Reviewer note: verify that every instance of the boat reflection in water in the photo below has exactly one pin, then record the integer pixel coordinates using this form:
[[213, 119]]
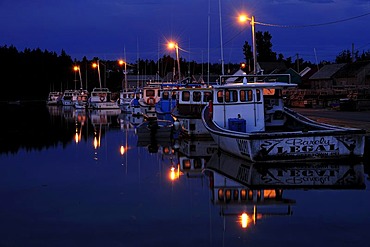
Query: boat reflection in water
[[253, 191], [155, 135], [193, 155]]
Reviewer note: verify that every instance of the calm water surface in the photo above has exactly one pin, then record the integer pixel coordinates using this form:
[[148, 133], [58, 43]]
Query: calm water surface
[[72, 178]]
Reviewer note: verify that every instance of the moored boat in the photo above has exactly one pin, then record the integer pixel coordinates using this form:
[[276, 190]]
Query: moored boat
[[101, 98], [54, 98], [69, 97], [167, 98], [148, 101], [125, 98], [249, 120], [188, 110]]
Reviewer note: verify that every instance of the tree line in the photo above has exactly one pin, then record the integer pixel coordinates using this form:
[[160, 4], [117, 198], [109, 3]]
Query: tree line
[[32, 74]]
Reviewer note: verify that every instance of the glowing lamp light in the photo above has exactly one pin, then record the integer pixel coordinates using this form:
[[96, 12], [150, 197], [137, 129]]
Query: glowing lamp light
[[94, 65], [122, 150], [75, 68], [244, 218], [174, 173], [76, 138], [96, 142], [243, 18], [171, 45], [121, 62]]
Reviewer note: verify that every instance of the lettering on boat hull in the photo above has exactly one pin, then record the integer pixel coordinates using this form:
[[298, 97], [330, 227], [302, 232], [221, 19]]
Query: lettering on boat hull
[[320, 146]]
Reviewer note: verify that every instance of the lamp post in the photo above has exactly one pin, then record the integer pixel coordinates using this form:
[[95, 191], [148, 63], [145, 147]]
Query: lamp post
[[77, 68], [242, 19], [97, 65], [172, 45], [121, 62]]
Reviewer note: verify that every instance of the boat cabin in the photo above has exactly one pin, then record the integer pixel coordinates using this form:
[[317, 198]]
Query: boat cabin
[[151, 95], [100, 95], [249, 107], [192, 100]]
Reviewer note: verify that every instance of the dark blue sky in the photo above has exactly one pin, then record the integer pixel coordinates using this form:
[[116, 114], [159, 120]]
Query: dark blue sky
[[105, 28]]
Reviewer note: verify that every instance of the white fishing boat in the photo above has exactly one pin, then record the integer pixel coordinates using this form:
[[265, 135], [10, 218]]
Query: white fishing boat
[[134, 104], [54, 98], [101, 98], [69, 97], [150, 97], [82, 99], [191, 102], [125, 98], [249, 120]]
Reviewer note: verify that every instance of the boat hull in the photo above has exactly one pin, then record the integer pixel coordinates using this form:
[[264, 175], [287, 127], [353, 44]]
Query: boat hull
[[287, 146]]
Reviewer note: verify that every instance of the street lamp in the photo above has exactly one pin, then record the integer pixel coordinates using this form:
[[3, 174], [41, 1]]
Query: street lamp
[[174, 45], [97, 65], [77, 68], [121, 62], [243, 19]]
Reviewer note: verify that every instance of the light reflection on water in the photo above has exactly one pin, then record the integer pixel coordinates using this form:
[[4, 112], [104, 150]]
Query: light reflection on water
[[76, 178]]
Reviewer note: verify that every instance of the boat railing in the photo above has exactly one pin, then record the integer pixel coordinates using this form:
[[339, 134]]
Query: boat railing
[[255, 78]]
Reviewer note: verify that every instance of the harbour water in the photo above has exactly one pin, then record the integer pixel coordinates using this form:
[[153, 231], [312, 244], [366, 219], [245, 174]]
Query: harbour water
[[77, 178]]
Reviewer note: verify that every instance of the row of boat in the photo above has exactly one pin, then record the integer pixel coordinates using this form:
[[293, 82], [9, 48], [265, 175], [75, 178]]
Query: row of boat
[[99, 98], [246, 116]]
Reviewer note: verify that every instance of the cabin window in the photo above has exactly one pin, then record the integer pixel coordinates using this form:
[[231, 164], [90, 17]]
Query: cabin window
[[258, 94], [186, 164], [165, 95], [228, 195], [150, 93], [221, 194], [197, 96], [243, 194], [231, 96], [242, 96], [250, 95], [197, 163], [185, 96], [220, 96], [235, 195], [207, 96], [246, 95], [174, 95]]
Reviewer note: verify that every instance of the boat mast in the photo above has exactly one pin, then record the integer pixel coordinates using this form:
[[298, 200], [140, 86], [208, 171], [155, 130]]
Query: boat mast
[[99, 73], [222, 50], [209, 27], [125, 72]]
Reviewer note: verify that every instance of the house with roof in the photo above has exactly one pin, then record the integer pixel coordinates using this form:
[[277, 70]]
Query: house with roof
[[353, 75], [324, 78]]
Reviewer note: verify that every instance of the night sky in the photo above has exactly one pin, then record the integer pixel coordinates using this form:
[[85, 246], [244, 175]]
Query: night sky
[[107, 28]]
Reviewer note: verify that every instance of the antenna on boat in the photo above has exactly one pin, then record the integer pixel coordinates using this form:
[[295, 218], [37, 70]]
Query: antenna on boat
[[137, 65], [209, 27], [222, 50], [124, 55]]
